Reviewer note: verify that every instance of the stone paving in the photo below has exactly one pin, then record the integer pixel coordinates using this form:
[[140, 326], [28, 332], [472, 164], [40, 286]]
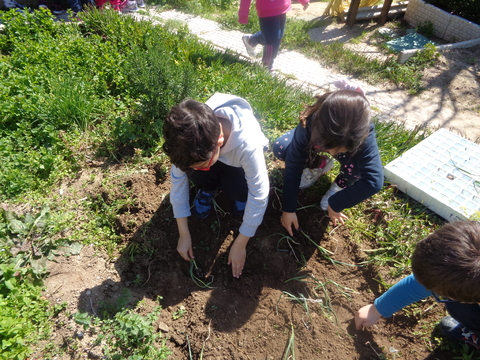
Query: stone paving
[[387, 104]]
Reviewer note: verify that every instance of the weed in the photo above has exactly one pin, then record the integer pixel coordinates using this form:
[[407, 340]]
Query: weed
[[198, 280], [426, 28], [289, 352], [180, 312]]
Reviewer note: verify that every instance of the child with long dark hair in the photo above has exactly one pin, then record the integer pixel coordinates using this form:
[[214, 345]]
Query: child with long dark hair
[[337, 126]]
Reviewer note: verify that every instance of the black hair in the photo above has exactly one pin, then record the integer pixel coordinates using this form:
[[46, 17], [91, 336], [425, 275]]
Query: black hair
[[191, 132], [340, 119], [448, 261]]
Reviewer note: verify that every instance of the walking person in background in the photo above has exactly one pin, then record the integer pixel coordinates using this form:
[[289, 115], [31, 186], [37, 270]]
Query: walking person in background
[[122, 5], [337, 126], [272, 15]]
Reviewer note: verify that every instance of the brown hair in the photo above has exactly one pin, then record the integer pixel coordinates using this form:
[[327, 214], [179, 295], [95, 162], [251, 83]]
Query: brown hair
[[448, 261], [340, 119], [191, 132]]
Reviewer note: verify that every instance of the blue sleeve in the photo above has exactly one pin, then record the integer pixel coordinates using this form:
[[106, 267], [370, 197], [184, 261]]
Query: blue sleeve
[[295, 161], [371, 176], [405, 292]]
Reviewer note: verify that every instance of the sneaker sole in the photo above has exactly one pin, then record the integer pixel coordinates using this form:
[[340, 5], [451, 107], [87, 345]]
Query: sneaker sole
[[248, 47]]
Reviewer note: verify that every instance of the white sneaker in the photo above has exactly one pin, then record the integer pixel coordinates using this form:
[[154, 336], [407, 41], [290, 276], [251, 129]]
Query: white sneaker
[[309, 176], [129, 6], [141, 3], [334, 188], [250, 48]]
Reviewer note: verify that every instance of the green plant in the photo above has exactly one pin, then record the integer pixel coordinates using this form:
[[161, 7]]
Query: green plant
[[179, 313], [197, 277], [23, 314], [426, 28], [127, 335], [289, 352]]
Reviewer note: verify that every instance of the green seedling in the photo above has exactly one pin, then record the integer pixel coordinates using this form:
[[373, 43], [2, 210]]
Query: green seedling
[[179, 313], [289, 353], [196, 275], [326, 253]]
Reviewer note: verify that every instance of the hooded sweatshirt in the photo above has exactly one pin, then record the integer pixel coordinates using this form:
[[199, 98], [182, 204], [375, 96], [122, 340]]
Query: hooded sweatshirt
[[265, 8], [244, 148]]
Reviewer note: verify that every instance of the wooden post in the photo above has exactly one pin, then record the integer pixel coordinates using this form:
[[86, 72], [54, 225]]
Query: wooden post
[[385, 9], [352, 12]]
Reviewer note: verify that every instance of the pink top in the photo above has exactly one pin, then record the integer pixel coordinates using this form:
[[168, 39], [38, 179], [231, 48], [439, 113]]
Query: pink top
[[265, 8]]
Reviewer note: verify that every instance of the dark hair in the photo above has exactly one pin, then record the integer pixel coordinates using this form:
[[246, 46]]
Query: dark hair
[[191, 132], [448, 261], [339, 119]]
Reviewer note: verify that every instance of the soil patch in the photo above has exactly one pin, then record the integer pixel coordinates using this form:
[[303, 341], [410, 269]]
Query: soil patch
[[287, 284]]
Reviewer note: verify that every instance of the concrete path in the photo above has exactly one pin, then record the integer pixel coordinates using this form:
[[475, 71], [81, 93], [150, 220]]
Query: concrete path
[[388, 104]]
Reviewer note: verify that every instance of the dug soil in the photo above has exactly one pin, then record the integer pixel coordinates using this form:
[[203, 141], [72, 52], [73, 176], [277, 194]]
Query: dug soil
[[302, 291]]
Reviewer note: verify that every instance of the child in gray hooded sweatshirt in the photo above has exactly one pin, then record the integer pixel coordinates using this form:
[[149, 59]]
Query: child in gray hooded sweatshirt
[[217, 145]]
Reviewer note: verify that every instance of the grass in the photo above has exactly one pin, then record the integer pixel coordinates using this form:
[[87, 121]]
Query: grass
[[335, 55], [72, 96]]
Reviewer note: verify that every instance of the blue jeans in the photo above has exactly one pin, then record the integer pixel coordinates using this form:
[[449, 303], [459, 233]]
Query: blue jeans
[[230, 179], [77, 5], [466, 314], [270, 35]]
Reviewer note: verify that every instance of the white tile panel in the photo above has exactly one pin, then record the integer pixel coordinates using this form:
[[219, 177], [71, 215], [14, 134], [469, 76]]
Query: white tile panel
[[443, 173]]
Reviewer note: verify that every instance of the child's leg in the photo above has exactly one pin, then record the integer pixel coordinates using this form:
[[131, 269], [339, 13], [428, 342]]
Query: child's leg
[[75, 5], [466, 314], [349, 172], [463, 326], [233, 182], [57, 7], [281, 144], [272, 29], [207, 181]]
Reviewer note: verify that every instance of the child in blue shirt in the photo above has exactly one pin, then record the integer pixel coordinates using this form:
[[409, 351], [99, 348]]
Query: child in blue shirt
[[445, 265], [338, 124]]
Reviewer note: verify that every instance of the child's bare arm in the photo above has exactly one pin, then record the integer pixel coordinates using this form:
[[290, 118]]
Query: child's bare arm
[[238, 254], [184, 246], [288, 219], [366, 316]]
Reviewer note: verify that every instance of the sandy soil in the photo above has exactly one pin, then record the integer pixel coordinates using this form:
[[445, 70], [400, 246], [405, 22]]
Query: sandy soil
[[247, 318]]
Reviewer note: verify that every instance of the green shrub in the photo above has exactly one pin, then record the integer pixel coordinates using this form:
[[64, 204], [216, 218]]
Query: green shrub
[[467, 9]]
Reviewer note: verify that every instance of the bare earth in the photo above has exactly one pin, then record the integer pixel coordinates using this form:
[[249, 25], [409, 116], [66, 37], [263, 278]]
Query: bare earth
[[247, 318], [251, 317]]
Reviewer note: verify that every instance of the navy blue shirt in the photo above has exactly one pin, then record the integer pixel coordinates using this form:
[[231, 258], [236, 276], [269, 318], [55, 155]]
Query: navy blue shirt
[[366, 160]]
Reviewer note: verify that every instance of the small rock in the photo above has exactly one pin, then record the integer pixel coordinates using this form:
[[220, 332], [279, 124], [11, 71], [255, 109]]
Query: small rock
[[163, 327], [93, 355], [114, 288], [177, 339]]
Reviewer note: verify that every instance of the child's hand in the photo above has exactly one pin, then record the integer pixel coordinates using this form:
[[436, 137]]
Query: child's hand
[[238, 254], [288, 219], [366, 316], [184, 248], [336, 216]]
